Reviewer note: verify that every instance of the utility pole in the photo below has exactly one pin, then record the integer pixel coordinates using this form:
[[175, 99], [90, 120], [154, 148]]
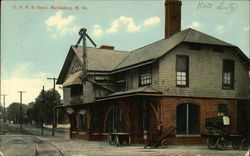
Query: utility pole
[[21, 111], [4, 111], [54, 108], [83, 35], [43, 103]]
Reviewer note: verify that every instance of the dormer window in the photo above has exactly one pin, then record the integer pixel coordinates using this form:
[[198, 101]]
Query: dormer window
[[145, 76]]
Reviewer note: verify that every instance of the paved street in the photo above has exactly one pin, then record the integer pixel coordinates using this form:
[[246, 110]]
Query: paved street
[[32, 145]]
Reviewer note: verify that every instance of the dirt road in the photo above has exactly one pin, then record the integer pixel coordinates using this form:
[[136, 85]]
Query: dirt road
[[34, 145]]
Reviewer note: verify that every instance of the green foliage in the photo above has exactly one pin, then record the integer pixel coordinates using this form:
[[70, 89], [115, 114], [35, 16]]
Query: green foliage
[[13, 113], [1, 112], [41, 110]]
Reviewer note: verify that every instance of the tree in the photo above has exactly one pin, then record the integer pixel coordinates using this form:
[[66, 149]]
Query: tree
[[13, 111], [1, 112], [42, 109]]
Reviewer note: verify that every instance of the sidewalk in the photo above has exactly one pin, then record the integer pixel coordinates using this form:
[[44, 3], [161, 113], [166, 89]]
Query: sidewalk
[[35, 130]]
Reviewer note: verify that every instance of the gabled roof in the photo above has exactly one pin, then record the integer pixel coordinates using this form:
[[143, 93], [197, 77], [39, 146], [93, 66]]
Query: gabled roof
[[101, 59], [97, 60], [116, 61], [159, 48]]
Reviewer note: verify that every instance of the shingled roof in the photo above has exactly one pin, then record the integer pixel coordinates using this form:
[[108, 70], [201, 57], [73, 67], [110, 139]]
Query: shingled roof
[[115, 61], [97, 60], [159, 48]]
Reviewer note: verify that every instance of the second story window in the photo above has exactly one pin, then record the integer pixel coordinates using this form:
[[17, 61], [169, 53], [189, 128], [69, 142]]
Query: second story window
[[120, 82], [228, 74], [145, 77], [182, 63], [76, 90]]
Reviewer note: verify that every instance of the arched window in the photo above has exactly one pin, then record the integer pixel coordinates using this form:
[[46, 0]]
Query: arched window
[[115, 120], [187, 118]]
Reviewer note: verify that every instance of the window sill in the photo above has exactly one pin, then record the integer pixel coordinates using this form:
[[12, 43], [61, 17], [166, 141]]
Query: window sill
[[188, 135], [179, 86], [228, 89], [141, 85]]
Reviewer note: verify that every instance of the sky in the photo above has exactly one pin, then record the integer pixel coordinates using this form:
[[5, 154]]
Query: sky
[[36, 35]]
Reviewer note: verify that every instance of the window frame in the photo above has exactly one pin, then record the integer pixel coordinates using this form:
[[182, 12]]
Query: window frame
[[146, 71], [121, 81], [115, 120], [187, 72], [220, 109], [83, 124], [95, 118], [187, 108], [226, 86], [76, 87]]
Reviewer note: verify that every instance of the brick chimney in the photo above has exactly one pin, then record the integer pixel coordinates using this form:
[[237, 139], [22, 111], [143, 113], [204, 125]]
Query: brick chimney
[[172, 17], [107, 47]]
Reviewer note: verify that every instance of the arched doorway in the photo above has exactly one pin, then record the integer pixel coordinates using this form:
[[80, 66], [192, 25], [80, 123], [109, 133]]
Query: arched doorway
[[187, 118], [115, 120]]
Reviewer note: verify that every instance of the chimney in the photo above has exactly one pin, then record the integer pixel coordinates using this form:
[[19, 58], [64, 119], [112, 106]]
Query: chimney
[[172, 17], [107, 47]]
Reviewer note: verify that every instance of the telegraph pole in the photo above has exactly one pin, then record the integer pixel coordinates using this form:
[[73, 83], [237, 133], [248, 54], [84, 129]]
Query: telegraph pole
[[54, 108], [4, 111], [21, 111], [43, 103]]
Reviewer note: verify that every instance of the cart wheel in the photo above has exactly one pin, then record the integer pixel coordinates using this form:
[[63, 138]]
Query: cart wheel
[[211, 143], [222, 143], [245, 143], [164, 143], [117, 143], [110, 140]]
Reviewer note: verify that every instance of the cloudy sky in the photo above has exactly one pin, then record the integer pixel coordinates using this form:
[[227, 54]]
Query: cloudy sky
[[36, 36]]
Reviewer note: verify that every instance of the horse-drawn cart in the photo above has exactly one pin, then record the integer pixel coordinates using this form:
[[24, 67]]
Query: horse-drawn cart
[[217, 131]]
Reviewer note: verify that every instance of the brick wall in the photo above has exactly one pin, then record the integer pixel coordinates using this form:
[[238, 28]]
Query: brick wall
[[208, 108], [165, 108]]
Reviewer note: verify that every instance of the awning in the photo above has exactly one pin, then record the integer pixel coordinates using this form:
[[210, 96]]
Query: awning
[[73, 79], [139, 90]]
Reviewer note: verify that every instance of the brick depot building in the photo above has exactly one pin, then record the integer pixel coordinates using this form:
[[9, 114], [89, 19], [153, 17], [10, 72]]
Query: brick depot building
[[177, 82]]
